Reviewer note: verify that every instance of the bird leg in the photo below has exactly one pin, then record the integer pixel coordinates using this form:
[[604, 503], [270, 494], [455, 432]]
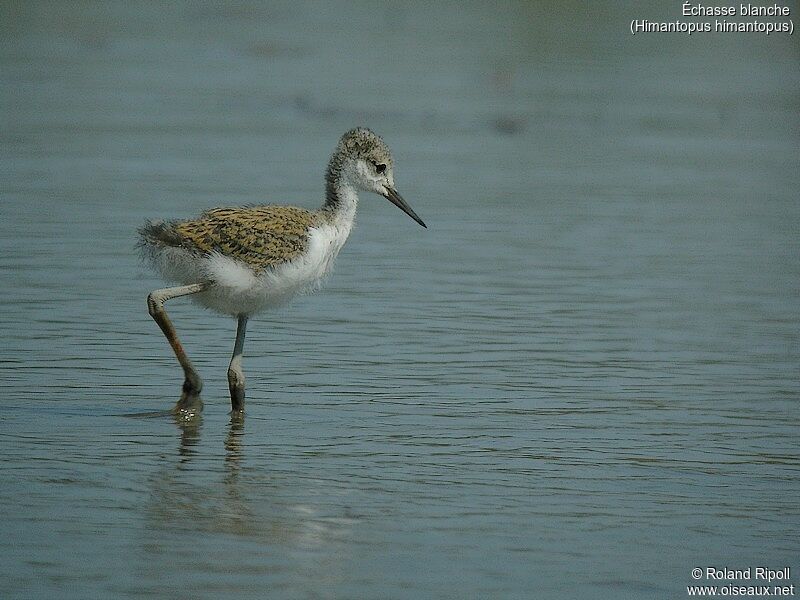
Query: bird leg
[[192, 384], [235, 373]]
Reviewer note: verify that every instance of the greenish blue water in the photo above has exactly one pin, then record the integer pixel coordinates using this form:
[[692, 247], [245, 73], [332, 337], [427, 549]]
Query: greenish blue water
[[580, 381]]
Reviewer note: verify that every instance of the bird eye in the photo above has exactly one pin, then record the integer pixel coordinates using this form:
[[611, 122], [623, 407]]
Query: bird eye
[[380, 168]]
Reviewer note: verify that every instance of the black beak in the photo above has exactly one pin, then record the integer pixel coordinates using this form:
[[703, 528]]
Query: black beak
[[396, 199]]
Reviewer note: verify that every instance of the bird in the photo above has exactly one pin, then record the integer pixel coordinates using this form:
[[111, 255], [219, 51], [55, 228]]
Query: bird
[[244, 260]]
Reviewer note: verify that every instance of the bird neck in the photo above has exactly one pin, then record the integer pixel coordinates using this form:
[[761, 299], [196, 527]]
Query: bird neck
[[341, 197]]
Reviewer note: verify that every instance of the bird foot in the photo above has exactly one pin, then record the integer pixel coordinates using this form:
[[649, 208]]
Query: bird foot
[[192, 385], [236, 386], [190, 404], [237, 400], [188, 407]]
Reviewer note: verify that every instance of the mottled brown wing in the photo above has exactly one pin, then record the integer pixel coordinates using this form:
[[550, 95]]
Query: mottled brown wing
[[261, 236]]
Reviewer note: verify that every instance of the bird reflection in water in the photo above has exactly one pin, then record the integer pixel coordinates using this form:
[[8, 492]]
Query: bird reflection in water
[[276, 509]]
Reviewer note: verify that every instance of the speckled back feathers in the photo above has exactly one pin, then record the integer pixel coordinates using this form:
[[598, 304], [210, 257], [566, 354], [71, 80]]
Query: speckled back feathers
[[259, 236]]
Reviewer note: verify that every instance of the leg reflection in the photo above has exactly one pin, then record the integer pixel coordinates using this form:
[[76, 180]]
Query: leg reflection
[[233, 442], [239, 513], [190, 435]]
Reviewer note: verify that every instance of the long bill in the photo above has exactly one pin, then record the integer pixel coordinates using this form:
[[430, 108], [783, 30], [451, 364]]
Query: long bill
[[396, 199]]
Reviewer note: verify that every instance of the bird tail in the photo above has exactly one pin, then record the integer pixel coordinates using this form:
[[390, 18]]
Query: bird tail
[[155, 236], [159, 234]]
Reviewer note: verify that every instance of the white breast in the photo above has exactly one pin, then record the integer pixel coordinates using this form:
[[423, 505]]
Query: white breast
[[324, 244]]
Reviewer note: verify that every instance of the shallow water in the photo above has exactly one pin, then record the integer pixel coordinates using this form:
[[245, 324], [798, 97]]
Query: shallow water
[[580, 381]]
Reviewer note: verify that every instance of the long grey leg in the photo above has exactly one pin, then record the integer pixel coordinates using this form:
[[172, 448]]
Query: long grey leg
[[155, 305], [235, 373]]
